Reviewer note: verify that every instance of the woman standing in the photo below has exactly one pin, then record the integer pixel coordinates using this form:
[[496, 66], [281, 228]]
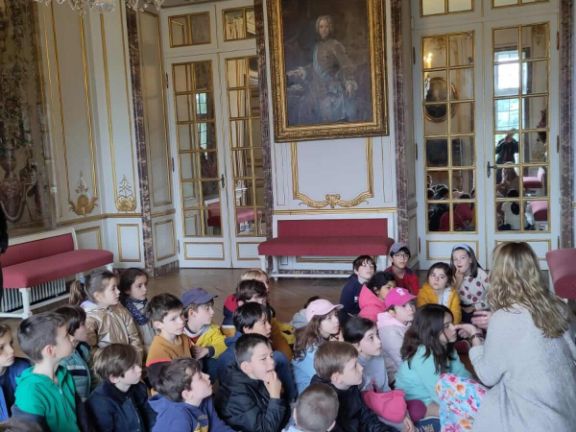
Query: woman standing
[[529, 356]]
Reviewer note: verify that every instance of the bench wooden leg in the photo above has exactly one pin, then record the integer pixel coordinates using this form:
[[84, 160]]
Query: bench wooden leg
[[25, 292]]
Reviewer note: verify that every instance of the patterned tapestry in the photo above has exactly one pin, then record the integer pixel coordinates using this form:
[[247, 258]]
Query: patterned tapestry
[[24, 195]]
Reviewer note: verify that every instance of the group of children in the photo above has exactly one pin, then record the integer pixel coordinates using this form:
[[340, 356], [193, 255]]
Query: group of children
[[383, 360]]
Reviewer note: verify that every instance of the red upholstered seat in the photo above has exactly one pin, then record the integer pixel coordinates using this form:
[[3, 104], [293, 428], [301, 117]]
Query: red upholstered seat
[[561, 263], [41, 270], [329, 237], [540, 210], [33, 250], [327, 246]]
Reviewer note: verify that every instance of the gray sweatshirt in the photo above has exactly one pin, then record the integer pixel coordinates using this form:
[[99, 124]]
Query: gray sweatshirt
[[532, 378]]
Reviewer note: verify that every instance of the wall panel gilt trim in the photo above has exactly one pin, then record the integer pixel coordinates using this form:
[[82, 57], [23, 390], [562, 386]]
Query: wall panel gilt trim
[[128, 236], [334, 199], [165, 239]]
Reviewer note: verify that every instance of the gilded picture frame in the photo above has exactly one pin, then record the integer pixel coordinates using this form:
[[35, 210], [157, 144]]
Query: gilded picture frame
[[327, 61]]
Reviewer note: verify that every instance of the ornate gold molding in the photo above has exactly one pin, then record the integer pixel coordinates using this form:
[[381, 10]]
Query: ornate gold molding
[[84, 205], [125, 198], [333, 200]]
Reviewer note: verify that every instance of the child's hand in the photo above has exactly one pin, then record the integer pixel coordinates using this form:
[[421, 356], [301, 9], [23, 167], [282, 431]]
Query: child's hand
[[481, 319], [199, 352], [273, 385], [408, 425], [466, 330]]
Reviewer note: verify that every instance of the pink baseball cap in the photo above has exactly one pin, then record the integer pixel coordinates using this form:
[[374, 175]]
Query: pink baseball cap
[[320, 307], [398, 297]]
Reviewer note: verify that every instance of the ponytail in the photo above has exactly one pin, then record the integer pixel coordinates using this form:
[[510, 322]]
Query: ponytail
[[77, 293], [93, 283]]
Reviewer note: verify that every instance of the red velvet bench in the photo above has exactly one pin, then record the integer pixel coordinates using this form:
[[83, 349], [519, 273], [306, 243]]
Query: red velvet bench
[[562, 266], [34, 261], [326, 238]]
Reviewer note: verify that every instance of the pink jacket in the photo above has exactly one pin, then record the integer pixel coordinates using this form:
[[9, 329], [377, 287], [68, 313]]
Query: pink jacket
[[370, 304]]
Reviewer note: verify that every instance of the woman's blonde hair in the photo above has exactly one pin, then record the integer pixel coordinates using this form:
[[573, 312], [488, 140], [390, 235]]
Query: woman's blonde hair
[[255, 274], [515, 279]]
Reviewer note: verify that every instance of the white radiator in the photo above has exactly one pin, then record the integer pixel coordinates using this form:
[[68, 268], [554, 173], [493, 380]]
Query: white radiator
[[12, 299]]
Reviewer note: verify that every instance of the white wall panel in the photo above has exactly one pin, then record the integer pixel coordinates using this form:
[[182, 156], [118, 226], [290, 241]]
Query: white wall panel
[[164, 240]]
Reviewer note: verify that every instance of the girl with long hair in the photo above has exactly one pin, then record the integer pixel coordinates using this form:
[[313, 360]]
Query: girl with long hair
[[529, 357], [107, 321], [427, 352], [133, 288], [470, 281], [439, 289], [323, 325]]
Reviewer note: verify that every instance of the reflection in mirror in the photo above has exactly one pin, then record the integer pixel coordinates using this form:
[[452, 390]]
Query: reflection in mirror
[[463, 217], [433, 52], [432, 7], [505, 44], [178, 26], [180, 74], [461, 49], [205, 138], [534, 112], [534, 181], [463, 184], [506, 114], [438, 185], [463, 82], [509, 181], [200, 28], [535, 147], [212, 219], [436, 152], [462, 118], [245, 220], [463, 151], [535, 77], [192, 225], [536, 215], [535, 41], [438, 212], [508, 217]]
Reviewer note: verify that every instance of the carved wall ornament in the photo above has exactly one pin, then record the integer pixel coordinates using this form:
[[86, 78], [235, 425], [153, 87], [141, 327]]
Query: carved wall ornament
[[84, 205], [126, 200]]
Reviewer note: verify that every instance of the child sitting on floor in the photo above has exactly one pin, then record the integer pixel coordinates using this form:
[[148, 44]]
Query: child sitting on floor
[[323, 325], [372, 295], [439, 290], [120, 402], [10, 369], [78, 362], [337, 365], [255, 318], [250, 399], [133, 288], [45, 393], [363, 269], [315, 410], [390, 405], [206, 337], [392, 326], [107, 321], [184, 399], [405, 277], [165, 314]]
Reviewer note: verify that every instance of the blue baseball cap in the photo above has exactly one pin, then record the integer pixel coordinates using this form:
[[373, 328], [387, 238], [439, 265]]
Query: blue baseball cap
[[196, 296]]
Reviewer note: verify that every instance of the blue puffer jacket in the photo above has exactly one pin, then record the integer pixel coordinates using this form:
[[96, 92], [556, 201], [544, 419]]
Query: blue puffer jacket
[[182, 417]]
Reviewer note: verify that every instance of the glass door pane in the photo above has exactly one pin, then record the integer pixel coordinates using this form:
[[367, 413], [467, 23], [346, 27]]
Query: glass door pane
[[449, 110], [521, 57], [197, 149], [245, 145]]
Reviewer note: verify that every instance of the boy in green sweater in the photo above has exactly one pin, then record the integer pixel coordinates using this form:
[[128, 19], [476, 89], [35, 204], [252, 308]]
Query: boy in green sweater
[[45, 393]]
